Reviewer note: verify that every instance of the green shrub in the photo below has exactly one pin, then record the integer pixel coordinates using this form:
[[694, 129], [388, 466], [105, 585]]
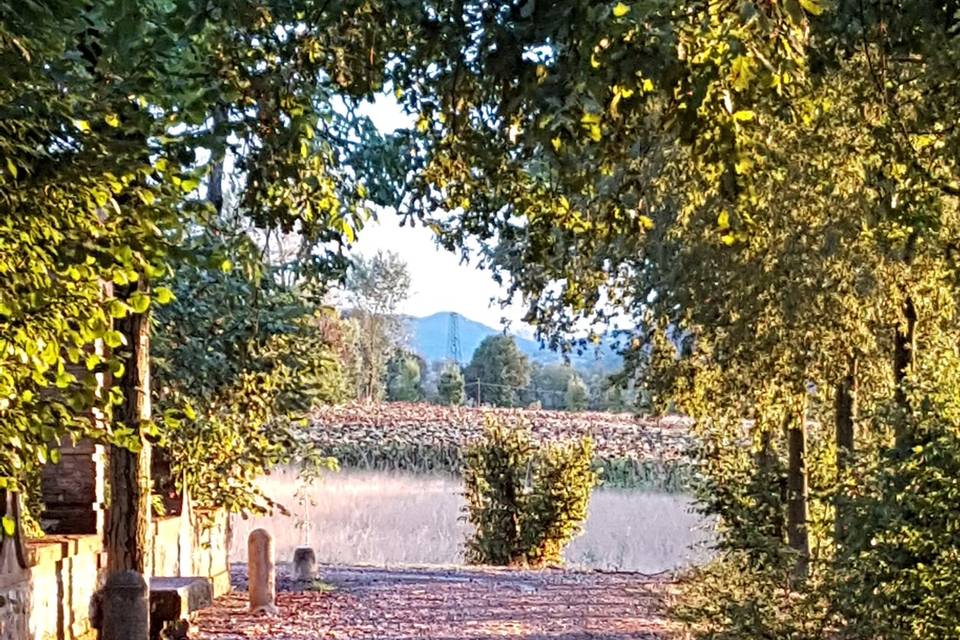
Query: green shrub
[[525, 503]]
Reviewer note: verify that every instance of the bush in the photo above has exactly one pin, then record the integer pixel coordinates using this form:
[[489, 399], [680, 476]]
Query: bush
[[526, 503]]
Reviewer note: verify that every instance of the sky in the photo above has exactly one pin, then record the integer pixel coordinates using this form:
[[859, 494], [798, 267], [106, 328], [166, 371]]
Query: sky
[[439, 282]]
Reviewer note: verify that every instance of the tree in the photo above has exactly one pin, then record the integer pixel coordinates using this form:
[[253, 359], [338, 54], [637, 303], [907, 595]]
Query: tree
[[375, 287], [108, 105], [404, 378], [577, 395], [548, 385], [450, 388], [777, 185], [498, 372], [239, 358]]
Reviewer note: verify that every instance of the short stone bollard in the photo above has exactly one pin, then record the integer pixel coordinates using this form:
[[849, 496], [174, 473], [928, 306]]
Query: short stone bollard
[[304, 564], [125, 607], [261, 572]]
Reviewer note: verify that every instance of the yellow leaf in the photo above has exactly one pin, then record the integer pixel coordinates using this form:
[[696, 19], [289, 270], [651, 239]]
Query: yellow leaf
[[112, 119], [594, 62], [647, 222], [83, 125], [556, 142], [620, 10], [743, 116], [590, 118], [422, 125], [728, 239], [812, 6], [595, 133], [723, 220], [647, 85]]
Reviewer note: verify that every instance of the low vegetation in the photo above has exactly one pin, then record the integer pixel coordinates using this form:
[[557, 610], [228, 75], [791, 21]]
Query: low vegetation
[[525, 502], [631, 452]]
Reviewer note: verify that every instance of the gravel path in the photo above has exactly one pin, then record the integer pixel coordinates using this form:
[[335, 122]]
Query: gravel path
[[447, 604]]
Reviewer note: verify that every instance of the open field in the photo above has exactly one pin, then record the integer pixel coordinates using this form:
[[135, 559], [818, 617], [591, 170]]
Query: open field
[[634, 452], [400, 518]]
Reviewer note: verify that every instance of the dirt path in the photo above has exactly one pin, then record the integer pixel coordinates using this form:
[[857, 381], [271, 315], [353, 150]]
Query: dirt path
[[449, 604]]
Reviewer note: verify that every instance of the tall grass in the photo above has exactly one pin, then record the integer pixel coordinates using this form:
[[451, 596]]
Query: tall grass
[[400, 518]]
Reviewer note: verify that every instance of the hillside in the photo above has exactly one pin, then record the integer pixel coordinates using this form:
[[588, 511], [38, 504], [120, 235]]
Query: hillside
[[429, 338]]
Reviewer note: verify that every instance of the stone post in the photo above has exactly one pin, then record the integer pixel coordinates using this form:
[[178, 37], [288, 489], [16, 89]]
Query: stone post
[[261, 572], [304, 564], [126, 607]]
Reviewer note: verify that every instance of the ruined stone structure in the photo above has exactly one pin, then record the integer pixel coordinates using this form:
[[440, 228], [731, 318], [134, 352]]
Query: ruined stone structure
[[48, 595]]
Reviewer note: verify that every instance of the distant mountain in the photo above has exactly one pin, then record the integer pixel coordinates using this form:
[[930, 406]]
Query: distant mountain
[[429, 338]]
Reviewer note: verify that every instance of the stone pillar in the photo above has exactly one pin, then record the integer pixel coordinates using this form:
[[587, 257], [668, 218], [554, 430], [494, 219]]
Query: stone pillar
[[73, 490], [126, 607], [261, 572], [304, 564]]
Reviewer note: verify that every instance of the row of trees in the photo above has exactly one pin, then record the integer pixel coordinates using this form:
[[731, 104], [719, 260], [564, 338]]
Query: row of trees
[[768, 192]]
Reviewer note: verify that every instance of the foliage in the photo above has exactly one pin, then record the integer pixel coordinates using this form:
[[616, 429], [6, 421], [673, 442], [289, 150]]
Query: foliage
[[375, 287], [734, 599], [900, 579], [239, 358], [767, 193], [450, 388], [576, 395], [497, 373], [525, 503], [109, 108], [404, 377]]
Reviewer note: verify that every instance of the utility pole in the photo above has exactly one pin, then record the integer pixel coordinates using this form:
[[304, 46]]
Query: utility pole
[[478, 392]]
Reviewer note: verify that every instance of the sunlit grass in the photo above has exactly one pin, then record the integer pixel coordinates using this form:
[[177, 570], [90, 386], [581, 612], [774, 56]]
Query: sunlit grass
[[392, 518]]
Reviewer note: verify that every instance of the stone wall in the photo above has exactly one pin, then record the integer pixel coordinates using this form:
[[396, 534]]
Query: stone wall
[[50, 599]]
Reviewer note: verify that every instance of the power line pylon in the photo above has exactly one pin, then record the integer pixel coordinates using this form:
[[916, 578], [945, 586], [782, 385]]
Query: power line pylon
[[454, 353]]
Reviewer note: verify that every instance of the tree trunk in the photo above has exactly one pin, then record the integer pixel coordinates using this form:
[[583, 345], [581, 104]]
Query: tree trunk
[[904, 349], [128, 541], [767, 463], [845, 417], [798, 537]]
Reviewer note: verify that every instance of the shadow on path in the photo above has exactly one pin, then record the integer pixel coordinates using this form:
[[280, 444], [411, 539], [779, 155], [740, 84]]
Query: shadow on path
[[450, 603]]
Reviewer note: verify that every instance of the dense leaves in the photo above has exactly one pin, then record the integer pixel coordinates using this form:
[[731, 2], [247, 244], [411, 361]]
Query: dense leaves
[[116, 114], [525, 503], [498, 373], [239, 359]]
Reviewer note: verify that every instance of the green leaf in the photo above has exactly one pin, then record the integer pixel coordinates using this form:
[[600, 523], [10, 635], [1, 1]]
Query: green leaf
[[9, 526], [815, 7], [163, 295], [117, 309], [113, 339], [140, 302]]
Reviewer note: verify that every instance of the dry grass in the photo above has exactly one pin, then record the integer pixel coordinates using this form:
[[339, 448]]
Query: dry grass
[[389, 518]]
